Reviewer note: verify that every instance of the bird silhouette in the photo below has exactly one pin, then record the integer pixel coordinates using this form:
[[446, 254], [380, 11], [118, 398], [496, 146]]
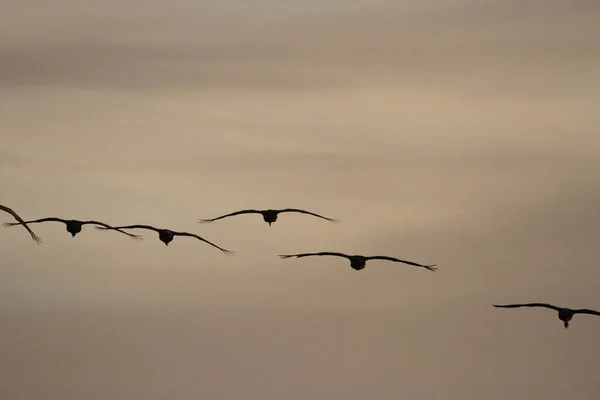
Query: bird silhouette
[[269, 216], [564, 314], [359, 262], [167, 235], [74, 226], [21, 222]]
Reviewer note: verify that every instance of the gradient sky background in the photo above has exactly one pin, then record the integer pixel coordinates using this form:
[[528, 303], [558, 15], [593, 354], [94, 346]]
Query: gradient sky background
[[462, 133]]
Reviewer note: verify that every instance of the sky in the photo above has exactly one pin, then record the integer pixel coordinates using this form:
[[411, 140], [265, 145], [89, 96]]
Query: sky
[[460, 133]]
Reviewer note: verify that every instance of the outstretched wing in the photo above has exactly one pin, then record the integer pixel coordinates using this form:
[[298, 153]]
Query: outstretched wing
[[204, 240], [106, 227], [35, 221], [21, 222], [429, 267], [528, 305], [136, 237], [586, 311], [324, 253], [231, 215], [309, 213]]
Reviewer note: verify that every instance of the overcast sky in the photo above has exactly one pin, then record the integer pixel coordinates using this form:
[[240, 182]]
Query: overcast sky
[[457, 132]]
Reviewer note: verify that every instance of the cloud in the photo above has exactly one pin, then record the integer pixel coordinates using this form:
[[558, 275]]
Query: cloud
[[462, 133], [488, 49]]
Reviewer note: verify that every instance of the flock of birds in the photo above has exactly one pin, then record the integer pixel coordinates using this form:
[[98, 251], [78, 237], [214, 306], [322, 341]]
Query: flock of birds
[[357, 262]]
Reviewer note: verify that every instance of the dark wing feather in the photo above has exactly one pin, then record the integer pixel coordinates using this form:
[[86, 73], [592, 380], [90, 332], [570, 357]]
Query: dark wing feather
[[204, 240], [429, 267], [586, 311], [104, 227], [136, 237], [231, 215], [49, 219], [21, 222], [324, 253], [528, 305], [309, 213]]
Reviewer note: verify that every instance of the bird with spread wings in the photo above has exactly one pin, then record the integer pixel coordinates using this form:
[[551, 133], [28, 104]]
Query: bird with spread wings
[[359, 262], [269, 216], [74, 226], [167, 235], [564, 314]]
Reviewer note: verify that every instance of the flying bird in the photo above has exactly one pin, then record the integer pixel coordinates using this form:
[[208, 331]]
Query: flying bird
[[74, 226], [166, 235], [564, 314], [21, 222], [269, 216], [358, 262]]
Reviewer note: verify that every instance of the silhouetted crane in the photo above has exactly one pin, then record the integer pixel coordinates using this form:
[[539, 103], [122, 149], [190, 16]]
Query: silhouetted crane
[[269, 216], [166, 235], [358, 262], [564, 314], [74, 226]]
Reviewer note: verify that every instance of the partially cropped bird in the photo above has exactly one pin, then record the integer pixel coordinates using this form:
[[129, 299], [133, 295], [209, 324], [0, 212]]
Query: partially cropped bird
[[564, 314], [21, 222], [166, 235], [358, 262], [269, 216], [74, 226]]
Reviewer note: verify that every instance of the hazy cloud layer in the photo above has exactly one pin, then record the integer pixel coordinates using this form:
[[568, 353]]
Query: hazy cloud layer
[[470, 46], [460, 133]]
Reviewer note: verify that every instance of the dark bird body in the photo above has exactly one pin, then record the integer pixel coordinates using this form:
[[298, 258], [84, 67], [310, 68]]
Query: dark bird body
[[564, 314], [269, 216], [166, 236], [74, 226], [21, 222], [358, 262]]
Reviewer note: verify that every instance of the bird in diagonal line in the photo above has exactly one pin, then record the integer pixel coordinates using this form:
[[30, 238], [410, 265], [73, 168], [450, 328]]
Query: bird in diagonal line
[[564, 314], [269, 216], [358, 262], [74, 226], [166, 235]]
